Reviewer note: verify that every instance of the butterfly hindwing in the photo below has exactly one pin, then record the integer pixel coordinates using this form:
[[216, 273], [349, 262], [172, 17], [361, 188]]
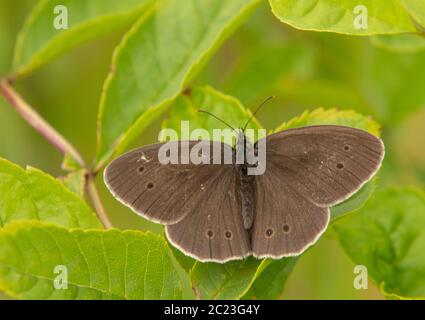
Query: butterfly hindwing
[[285, 222], [214, 230]]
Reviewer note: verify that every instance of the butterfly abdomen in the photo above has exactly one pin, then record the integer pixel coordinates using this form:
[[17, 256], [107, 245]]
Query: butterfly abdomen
[[245, 186]]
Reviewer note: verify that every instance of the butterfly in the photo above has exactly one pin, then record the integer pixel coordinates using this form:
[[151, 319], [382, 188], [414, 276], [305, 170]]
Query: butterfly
[[218, 212]]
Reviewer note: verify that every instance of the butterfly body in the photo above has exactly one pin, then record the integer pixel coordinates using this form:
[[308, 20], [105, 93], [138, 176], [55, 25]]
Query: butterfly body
[[221, 212], [245, 185]]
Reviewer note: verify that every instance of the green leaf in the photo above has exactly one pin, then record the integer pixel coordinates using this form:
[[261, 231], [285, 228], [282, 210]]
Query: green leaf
[[223, 106], [388, 237], [270, 281], [184, 261], [75, 181], [416, 9], [400, 43], [384, 17], [100, 264], [34, 195], [161, 53], [322, 116], [223, 281], [39, 41], [355, 202]]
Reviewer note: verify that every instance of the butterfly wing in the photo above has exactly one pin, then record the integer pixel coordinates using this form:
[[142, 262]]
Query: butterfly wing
[[197, 202], [308, 170], [285, 222], [326, 164], [191, 199], [163, 193], [214, 229]]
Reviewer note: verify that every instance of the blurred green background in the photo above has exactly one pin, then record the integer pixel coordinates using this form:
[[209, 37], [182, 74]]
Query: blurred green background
[[305, 70]]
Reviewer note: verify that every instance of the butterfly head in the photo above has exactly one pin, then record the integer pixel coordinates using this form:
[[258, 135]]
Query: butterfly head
[[243, 144], [240, 137]]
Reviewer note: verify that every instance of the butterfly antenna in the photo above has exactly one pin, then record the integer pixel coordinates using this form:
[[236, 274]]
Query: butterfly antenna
[[258, 109], [215, 117]]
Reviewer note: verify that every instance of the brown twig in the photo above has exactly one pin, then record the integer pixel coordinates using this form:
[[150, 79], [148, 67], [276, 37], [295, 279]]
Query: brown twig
[[97, 203], [38, 123]]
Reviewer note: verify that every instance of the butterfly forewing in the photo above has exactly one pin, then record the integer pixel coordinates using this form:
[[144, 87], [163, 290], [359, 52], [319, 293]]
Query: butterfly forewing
[[163, 193], [325, 164]]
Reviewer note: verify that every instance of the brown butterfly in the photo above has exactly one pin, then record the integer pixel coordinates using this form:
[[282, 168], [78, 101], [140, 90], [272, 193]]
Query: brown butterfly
[[217, 212]]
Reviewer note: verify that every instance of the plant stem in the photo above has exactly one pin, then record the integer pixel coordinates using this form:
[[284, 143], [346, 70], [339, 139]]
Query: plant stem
[[38, 123], [97, 203], [57, 140]]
